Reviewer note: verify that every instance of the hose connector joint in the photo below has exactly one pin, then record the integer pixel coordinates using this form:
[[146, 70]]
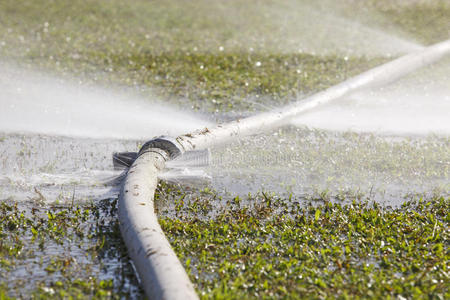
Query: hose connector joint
[[166, 143]]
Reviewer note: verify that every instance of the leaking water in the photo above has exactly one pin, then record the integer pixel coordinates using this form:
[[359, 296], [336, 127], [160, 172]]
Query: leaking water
[[36, 103], [57, 169], [418, 104]]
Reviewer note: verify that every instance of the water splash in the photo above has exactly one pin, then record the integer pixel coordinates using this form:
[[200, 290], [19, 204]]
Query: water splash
[[54, 168], [384, 112], [386, 144], [188, 168]]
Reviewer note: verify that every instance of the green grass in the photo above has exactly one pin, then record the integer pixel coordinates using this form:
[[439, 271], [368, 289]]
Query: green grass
[[265, 247], [227, 80]]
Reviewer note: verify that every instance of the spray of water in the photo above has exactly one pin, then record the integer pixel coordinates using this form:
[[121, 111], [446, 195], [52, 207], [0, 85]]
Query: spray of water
[[36, 103], [416, 105]]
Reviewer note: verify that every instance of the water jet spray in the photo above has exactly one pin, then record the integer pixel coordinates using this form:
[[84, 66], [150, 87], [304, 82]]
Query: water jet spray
[[161, 274]]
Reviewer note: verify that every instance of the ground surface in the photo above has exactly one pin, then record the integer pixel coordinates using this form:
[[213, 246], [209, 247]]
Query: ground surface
[[61, 239]]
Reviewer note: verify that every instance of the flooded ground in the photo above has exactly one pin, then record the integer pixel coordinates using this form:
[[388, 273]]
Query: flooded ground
[[310, 163], [57, 169], [59, 230], [299, 161], [57, 250]]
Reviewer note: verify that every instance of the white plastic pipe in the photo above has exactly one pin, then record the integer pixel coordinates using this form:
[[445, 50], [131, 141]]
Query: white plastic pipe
[[161, 273], [383, 74]]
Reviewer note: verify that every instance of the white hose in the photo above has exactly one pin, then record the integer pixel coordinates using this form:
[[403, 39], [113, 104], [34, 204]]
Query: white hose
[[161, 274]]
